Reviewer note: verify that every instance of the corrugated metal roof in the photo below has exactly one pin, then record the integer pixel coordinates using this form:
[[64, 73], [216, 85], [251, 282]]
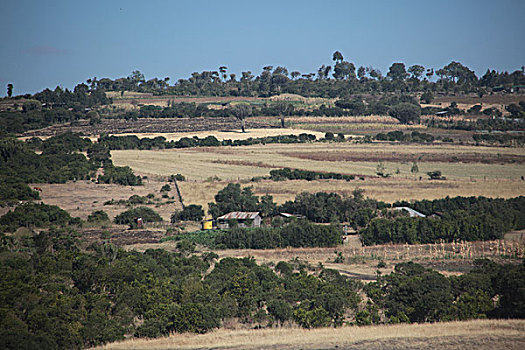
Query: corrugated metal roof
[[239, 215], [411, 212]]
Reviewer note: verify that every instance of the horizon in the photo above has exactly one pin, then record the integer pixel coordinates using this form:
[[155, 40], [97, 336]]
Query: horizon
[[64, 44]]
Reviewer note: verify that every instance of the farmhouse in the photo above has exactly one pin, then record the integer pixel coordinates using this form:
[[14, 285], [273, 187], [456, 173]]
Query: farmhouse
[[243, 219], [413, 213]]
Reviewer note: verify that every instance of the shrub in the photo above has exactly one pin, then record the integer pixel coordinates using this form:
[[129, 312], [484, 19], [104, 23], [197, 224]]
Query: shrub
[[129, 216], [406, 113], [32, 214], [190, 212], [98, 216], [165, 188]]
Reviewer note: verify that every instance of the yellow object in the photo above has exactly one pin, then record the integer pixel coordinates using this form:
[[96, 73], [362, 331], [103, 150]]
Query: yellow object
[[207, 225]]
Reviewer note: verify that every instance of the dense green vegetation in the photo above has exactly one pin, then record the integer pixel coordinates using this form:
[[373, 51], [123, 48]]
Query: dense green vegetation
[[54, 295], [190, 212], [160, 142], [460, 218], [295, 234], [130, 216], [415, 294], [297, 174], [60, 160], [325, 207], [414, 136], [34, 215], [500, 138], [318, 207]]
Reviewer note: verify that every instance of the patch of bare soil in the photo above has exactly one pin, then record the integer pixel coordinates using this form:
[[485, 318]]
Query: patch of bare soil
[[463, 157], [121, 236]]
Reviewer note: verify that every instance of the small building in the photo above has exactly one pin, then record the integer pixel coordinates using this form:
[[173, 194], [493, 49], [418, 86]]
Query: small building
[[413, 213], [243, 219], [289, 216]]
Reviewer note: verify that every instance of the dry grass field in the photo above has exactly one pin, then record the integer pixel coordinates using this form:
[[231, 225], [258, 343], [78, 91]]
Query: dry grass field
[[470, 171], [478, 334], [81, 198]]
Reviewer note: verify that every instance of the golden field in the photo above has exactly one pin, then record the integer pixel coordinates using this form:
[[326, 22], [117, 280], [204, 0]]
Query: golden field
[[478, 334], [470, 170]]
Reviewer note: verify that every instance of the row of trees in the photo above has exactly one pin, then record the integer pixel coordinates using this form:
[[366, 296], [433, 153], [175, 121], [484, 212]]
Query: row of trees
[[335, 80], [133, 142]]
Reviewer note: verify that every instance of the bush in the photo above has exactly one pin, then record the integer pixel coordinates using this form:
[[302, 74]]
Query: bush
[[130, 216], [32, 214], [297, 234], [98, 216], [406, 113], [190, 212], [119, 175], [165, 188]]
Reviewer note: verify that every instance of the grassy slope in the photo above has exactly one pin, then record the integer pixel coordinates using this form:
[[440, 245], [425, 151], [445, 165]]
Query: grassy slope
[[479, 334]]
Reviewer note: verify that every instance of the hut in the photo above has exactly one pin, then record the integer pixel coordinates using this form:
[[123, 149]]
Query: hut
[[242, 218]]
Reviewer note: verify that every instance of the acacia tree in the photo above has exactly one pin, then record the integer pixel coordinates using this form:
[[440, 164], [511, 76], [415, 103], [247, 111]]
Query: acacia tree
[[416, 70], [241, 112], [337, 57]]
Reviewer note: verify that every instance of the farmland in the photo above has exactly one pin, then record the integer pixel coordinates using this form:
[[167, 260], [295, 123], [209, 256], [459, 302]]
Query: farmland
[[470, 171], [291, 272]]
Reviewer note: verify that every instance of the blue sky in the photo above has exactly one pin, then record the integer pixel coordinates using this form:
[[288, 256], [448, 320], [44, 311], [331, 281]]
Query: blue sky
[[50, 43]]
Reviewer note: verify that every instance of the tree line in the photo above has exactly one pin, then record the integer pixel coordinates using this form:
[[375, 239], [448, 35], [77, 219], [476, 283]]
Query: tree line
[[60, 160], [114, 142], [339, 79], [413, 293]]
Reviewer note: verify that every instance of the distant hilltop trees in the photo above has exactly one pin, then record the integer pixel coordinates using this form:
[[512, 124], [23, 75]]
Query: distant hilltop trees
[[341, 79]]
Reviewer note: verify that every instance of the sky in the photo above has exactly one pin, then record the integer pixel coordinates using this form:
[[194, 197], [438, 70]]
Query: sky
[[63, 43]]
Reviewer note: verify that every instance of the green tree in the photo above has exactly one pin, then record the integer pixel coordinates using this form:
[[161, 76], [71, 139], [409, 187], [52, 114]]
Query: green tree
[[337, 57], [416, 71], [285, 109], [9, 90], [415, 168], [232, 198], [397, 72], [406, 113], [190, 212], [241, 112]]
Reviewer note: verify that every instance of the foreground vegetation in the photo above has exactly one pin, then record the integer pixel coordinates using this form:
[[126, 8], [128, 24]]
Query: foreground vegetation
[[72, 297]]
